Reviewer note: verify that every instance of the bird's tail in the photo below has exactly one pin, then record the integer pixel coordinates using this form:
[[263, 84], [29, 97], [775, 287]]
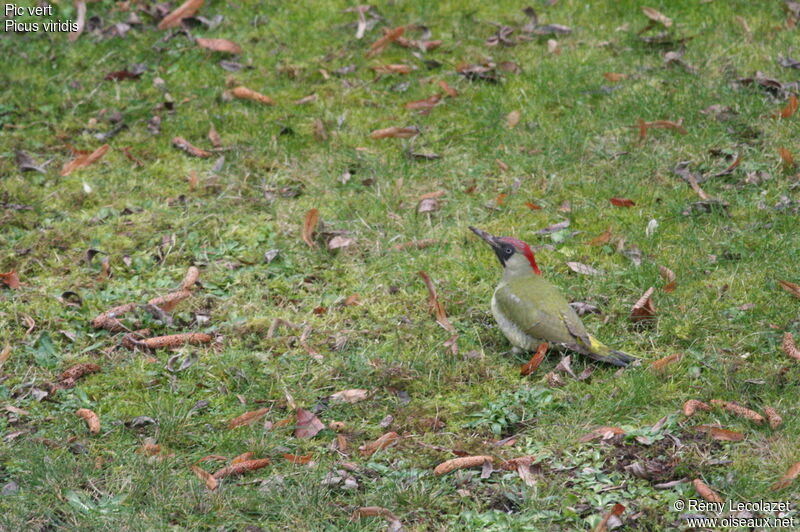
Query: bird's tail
[[601, 352]]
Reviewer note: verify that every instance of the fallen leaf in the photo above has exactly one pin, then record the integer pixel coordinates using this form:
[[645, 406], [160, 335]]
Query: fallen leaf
[[739, 410], [185, 145], [308, 425], [662, 363], [669, 276], [415, 244], [616, 511], [436, 307], [395, 132], [789, 346], [790, 108], [92, 421], [219, 45], [205, 476], [243, 93], [532, 206], [187, 9], [583, 269], [451, 92], [657, 17], [786, 157], [310, 223], [705, 492], [614, 77], [350, 396], [643, 309], [693, 405], [392, 69], [775, 420], [660, 124], [241, 468], [307, 99], [338, 242], [425, 104], [297, 459], [80, 23], [792, 288], [535, 360], [10, 279], [5, 354], [501, 165], [84, 159], [553, 47], [461, 463], [604, 433], [602, 238], [248, 418], [376, 511], [720, 434], [389, 36], [368, 449], [513, 119], [786, 480], [622, 202]]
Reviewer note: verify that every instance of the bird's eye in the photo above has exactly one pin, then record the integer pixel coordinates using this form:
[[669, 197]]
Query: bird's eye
[[509, 251]]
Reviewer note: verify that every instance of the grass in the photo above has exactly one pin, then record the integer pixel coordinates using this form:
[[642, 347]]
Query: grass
[[576, 142]]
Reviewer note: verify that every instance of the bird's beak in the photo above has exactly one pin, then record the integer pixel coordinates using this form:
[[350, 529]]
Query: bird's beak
[[489, 239]]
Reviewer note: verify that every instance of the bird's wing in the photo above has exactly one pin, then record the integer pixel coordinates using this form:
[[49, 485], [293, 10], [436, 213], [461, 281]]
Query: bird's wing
[[534, 319]]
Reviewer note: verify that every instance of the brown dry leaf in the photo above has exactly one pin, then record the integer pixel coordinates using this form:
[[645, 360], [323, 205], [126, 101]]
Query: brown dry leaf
[[368, 449], [787, 479], [532, 206], [436, 307], [425, 104], [80, 5], [415, 244], [219, 45], [643, 309], [617, 510], [792, 288], [790, 108], [242, 467], [705, 492], [10, 279], [338, 242], [660, 124], [461, 463], [188, 147], [602, 238], [310, 223], [657, 17], [5, 354], [389, 36], [376, 511], [451, 92], [789, 346], [243, 93], [775, 420], [622, 202], [748, 33], [501, 165], [84, 159], [320, 133], [307, 99], [662, 363], [298, 459], [669, 276], [244, 457], [614, 77], [187, 9], [583, 269], [214, 137], [604, 433], [205, 476], [193, 180], [553, 47], [693, 405], [739, 410], [92, 421], [395, 132], [786, 157], [512, 119], [535, 360], [248, 418], [350, 396], [168, 302], [307, 425], [392, 69], [719, 433]]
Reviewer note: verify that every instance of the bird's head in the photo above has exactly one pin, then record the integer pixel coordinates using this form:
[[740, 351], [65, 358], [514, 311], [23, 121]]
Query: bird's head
[[513, 254]]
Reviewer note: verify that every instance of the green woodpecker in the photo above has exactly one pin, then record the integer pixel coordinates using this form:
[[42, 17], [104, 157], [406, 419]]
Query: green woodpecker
[[530, 310]]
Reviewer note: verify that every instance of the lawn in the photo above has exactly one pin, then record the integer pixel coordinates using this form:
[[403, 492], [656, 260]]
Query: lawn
[[263, 170]]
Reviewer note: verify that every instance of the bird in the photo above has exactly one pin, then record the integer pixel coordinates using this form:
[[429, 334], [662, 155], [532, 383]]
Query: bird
[[530, 310]]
